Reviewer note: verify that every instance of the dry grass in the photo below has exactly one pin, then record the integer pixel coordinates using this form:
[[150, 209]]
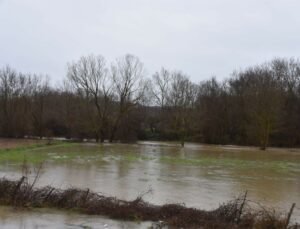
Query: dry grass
[[235, 214]]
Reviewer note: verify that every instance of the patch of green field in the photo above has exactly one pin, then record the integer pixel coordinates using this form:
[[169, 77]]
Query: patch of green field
[[233, 163], [61, 152], [31, 153], [134, 157]]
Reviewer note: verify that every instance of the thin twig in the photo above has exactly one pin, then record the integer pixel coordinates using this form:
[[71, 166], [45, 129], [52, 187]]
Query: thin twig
[[289, 215]]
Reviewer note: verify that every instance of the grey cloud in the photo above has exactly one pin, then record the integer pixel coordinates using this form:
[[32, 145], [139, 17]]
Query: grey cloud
[[202, 38]]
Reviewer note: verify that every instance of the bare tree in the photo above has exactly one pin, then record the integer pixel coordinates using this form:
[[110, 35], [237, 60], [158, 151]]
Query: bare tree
[[161, 86], [8, 78], [15, 89], [40, 91], [181, 99], [262, 98], [287, 74], [212, 112], [129, 87], [255, 106], [90, 76]]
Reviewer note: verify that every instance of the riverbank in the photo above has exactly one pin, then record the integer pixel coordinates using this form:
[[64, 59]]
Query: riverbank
[[234, 214]]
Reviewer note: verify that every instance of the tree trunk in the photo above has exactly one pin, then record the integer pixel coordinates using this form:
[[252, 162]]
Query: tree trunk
[[112, 136], [102, 136], [265, 136], [97, 137]]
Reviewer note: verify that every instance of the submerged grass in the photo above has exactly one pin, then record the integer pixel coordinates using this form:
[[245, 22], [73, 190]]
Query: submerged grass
[[133, 157], [233, 163], [60, 151], [32, 153]]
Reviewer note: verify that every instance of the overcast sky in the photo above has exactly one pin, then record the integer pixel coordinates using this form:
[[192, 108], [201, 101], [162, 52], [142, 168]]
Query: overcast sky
[[201, 38]]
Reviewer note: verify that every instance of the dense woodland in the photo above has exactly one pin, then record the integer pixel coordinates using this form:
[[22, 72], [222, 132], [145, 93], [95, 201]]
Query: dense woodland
[[259, 105]]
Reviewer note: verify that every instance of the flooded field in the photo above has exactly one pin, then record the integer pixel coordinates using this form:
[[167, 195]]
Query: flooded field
[[47, 218], [200, 176]]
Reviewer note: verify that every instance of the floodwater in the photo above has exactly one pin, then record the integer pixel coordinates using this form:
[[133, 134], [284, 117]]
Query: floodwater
[[197, 175], [48, 218]]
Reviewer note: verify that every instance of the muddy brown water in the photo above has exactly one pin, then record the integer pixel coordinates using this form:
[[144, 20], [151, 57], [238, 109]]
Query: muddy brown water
[[48, 218], [199, 176]]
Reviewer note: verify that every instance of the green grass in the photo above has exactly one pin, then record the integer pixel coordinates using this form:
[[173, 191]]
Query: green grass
[[134, 157], [81, 153], [31, 153], [233, 163]]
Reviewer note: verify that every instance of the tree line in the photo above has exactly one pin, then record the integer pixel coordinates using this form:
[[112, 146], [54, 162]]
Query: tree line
[[258, 105]]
